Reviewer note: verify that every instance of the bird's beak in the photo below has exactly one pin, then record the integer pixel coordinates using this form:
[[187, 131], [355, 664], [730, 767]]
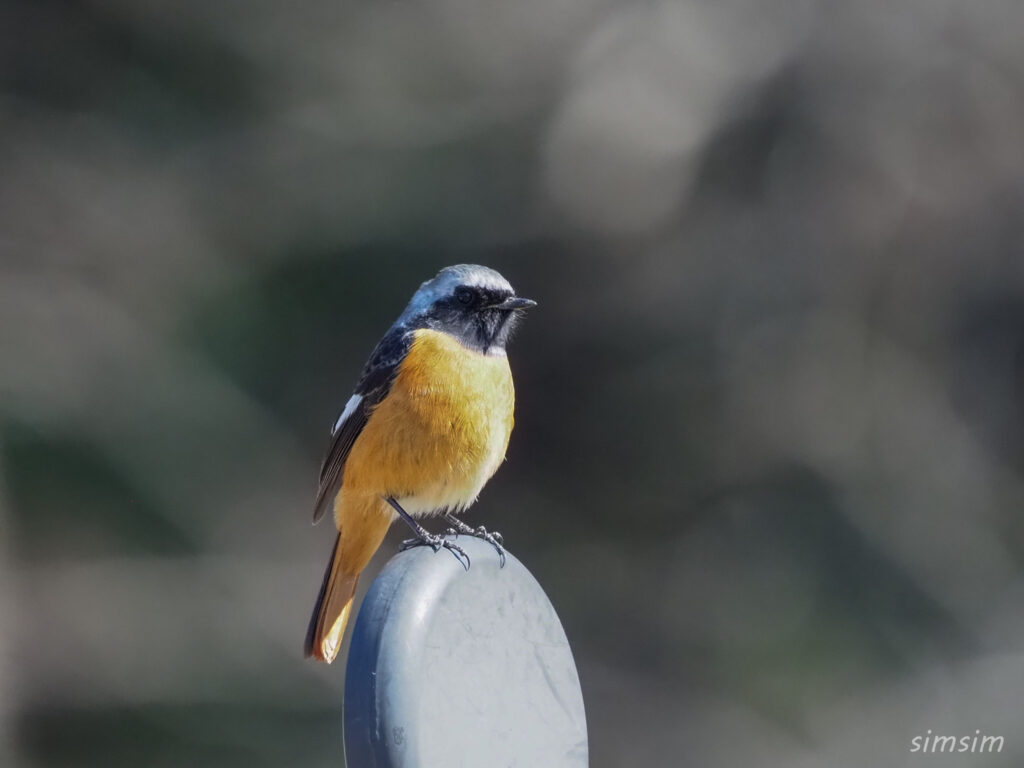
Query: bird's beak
[[514, 302]]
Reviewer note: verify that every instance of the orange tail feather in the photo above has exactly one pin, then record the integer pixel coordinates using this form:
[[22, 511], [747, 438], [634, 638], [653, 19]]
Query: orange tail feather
[[363, 524], [330, 614]]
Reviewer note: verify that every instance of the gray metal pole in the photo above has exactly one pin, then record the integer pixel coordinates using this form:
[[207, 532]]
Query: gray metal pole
[[456, 669]]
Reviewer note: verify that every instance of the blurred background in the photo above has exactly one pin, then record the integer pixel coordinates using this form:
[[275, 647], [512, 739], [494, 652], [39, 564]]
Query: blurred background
[[769, 456]]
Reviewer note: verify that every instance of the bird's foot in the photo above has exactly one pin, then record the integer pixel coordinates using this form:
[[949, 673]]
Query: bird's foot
[[437, 543], [493, 538]]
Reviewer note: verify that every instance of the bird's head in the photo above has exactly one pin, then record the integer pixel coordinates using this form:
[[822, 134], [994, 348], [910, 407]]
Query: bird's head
[[474, 304]]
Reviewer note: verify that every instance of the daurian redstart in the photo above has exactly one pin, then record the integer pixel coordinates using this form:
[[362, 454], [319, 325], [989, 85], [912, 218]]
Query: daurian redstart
[[427, 427]]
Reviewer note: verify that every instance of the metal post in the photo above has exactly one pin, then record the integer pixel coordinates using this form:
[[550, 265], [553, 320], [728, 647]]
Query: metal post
[[461, 669]]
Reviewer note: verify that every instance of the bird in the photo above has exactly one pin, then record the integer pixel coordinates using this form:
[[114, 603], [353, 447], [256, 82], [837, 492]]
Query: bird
[[427, 426]]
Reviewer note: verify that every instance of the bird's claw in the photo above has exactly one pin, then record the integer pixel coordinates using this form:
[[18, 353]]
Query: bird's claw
[[437, 543], [495, 539]]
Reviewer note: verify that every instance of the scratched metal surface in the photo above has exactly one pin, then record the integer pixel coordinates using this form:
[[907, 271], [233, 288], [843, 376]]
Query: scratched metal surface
[[461, 669]]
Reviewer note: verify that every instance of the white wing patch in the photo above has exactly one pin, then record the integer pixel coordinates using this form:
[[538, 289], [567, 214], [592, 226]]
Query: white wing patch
[[350, 407]]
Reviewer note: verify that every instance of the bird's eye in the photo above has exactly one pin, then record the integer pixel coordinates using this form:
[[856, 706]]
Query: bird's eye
[[464, 295]]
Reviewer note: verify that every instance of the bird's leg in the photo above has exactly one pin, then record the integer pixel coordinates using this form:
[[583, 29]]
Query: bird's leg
[[426, 538], [493, 538]]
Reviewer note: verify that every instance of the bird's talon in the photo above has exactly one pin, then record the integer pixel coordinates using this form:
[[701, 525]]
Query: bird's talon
[[437, 543], [458, 552], [494, 539]]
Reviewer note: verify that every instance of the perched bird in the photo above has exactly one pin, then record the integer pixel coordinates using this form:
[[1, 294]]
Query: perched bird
[[427, 427]]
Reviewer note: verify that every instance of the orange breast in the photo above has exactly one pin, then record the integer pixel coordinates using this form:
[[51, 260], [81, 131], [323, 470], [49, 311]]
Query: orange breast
[[440, 433]]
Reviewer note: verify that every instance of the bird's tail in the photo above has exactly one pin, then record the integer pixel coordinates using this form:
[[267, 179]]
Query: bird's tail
[[330, 614], [353, 548]]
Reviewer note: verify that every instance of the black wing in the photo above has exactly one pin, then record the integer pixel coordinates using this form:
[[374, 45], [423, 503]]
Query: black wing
[[373, 387]]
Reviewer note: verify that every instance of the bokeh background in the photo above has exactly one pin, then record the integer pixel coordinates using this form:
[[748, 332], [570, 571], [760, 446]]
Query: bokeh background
[[769, 461]]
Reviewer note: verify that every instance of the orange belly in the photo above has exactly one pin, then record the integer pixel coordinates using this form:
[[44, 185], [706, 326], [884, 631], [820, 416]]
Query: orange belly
[[439, 435]]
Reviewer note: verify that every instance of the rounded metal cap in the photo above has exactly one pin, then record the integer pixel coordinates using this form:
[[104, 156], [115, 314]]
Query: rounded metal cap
[[461, 669]]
